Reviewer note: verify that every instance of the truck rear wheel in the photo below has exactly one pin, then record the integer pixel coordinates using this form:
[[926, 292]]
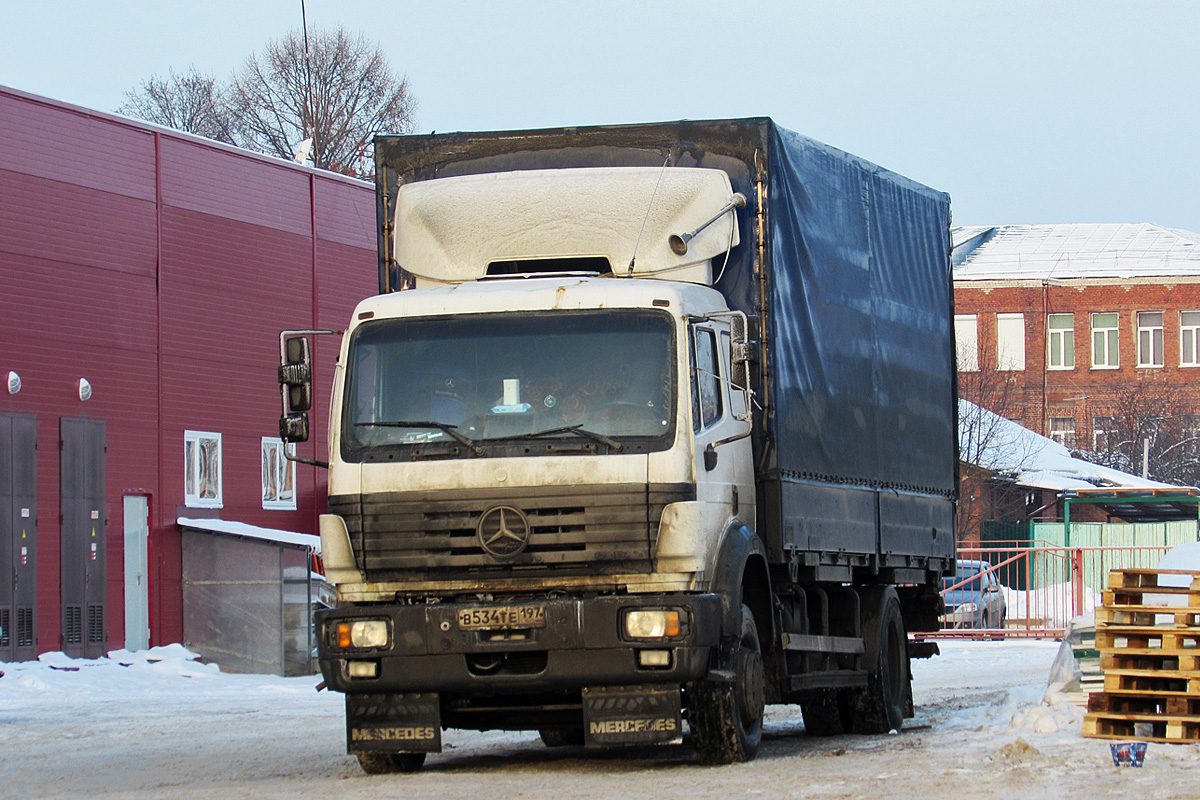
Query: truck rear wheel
[[879, 707], [726, 717], [827, 712], [384, 763]]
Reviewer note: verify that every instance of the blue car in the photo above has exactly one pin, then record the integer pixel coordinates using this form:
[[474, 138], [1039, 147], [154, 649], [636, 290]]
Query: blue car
[[973, 597]]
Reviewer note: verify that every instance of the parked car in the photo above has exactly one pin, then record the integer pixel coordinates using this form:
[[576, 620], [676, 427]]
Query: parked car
[[973, 597]]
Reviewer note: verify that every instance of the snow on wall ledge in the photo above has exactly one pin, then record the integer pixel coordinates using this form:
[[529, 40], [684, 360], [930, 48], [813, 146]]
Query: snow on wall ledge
[[313, 543], [1000, 445]]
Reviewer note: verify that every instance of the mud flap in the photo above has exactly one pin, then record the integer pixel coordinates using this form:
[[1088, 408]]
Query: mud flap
[[648, 714], [393, 723]]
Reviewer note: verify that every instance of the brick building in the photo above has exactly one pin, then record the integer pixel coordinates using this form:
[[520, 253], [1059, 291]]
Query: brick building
[[1088, 334]]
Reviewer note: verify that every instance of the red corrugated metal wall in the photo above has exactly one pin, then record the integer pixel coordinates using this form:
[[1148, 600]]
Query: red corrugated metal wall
[[161, 268]]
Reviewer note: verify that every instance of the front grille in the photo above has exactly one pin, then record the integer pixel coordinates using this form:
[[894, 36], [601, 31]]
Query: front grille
[[432, 535]]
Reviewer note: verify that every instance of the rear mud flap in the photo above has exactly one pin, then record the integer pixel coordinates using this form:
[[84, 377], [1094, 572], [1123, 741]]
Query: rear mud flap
[[393, 723], [648, 714]]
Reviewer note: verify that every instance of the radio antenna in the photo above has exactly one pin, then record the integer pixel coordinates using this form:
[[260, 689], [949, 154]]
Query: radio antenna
[[645, 219]]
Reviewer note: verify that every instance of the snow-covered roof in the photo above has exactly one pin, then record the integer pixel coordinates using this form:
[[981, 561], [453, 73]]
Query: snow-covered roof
[[308, 540], [1031, 459], [1040, 252]]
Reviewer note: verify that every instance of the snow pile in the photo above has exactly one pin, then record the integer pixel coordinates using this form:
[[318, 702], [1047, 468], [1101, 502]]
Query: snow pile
[[1055, 713], [1183, 556], [120, 672], [985, 684]]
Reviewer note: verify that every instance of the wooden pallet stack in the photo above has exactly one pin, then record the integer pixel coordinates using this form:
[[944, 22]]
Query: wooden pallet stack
[[1148, 636]]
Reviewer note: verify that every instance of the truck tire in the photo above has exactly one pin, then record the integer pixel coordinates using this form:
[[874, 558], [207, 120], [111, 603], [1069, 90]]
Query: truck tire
[[384, 763], [879, 708], [726, 716], [826, 713]]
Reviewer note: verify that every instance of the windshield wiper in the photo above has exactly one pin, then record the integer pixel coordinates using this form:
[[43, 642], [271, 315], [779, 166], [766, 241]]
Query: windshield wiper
[[449, 430], [579, 430]]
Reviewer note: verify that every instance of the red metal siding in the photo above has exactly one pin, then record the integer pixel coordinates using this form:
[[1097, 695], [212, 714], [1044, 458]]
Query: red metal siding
[[75, 146], [75, 224], [346, 215], [170, 309], [234, 186]]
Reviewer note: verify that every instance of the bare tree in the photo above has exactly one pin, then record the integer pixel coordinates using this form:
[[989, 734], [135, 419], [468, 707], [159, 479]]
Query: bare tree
[[190, 102], [992, 451], [338, 91], [1148, 426]]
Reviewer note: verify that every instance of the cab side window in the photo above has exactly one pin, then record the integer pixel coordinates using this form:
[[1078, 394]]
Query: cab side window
[[706, 384]]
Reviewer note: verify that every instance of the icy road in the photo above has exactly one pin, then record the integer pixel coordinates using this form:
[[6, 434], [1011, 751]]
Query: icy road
[[177, 729]]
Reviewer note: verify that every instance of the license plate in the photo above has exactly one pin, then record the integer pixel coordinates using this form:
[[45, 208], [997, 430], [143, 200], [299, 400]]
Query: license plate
[[500, 617]]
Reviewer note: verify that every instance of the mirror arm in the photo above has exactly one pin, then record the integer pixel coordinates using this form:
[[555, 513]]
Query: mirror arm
[[285, 335], [310, 461]]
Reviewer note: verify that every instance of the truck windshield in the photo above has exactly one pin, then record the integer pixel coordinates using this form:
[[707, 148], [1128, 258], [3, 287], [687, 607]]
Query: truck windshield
[[511, 385]]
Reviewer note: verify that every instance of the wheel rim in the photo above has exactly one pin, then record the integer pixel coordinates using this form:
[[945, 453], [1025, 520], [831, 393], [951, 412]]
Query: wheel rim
[[751, 699], [750, 677]]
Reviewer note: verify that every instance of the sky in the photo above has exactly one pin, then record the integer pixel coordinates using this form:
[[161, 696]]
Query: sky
[[1054, 111]]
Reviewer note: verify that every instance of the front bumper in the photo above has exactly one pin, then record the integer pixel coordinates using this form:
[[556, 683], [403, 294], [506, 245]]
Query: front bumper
[[581, 645]]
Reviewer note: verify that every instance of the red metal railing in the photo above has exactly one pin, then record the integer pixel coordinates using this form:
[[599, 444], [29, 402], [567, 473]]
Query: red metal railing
[[1046, 586]]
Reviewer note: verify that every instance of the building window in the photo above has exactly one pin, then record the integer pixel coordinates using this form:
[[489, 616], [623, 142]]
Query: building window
[[1189, 338], [278, 475], [1150, 338], [1010, 342], [202, 469], [1062, 430], [1061, 330], [1105, 337], [966, 342], [1102, 433]]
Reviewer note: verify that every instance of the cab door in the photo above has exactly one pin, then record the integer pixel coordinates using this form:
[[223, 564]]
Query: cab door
[[722, 461]]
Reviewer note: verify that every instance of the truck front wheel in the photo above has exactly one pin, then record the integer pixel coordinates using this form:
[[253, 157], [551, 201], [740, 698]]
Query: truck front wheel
[[383, 763], [726, 716]]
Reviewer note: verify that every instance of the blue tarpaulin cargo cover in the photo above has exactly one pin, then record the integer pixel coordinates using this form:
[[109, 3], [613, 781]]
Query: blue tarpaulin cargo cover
[[847, 268]]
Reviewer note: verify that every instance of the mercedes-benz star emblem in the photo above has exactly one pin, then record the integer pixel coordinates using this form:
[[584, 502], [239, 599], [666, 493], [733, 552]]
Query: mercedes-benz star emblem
[[503, 532]]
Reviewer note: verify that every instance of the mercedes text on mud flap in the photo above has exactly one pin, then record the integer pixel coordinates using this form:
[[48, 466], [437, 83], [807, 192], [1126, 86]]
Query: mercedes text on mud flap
[[649, 427]]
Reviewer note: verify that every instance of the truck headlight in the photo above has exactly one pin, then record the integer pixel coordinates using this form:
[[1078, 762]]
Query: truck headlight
[[363, 633], [653, 623]]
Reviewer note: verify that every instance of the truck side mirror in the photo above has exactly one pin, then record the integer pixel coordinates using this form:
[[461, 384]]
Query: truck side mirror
[[293, 427], [743, 352], [295, 380], [295, 374]]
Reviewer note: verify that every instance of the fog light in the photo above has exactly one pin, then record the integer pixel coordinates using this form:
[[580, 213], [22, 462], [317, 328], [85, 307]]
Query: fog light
[[654, 658], [657, 623], [362, 669], [363, 633]]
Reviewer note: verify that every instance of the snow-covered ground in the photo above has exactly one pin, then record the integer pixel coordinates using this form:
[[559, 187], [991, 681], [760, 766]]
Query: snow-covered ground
[[150, 725]]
